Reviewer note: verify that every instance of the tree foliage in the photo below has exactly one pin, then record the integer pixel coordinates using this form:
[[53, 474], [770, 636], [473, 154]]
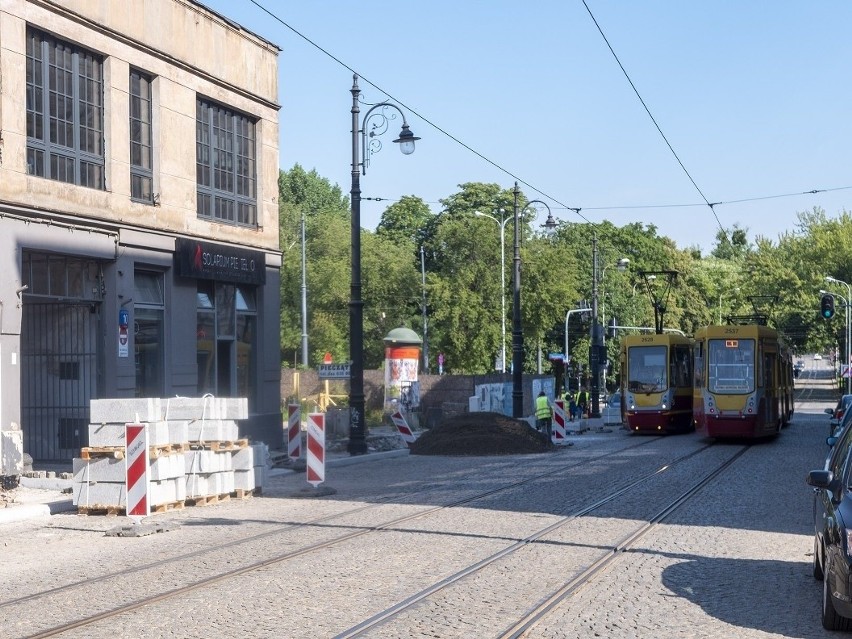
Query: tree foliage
[[468, 299]]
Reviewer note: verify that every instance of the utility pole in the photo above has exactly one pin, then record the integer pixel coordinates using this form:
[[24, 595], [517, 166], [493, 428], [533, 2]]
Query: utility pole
[[596, 348]]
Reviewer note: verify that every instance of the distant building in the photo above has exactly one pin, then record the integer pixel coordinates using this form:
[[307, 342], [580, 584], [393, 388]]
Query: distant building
[[139, 250]]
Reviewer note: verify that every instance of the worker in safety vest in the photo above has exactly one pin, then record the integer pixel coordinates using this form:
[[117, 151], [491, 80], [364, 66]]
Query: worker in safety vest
[[582, 402], [543, 414]]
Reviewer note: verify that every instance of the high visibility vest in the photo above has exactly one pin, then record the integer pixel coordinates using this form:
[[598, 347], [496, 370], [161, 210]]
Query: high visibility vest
[[582, 397], [542, 407]]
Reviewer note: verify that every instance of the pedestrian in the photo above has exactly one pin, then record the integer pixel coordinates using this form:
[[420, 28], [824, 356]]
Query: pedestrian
[[582, 401], [543, 414], [572, 407]]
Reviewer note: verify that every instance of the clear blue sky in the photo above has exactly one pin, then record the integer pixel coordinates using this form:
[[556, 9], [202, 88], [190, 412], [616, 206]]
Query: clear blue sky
[[754, 97]]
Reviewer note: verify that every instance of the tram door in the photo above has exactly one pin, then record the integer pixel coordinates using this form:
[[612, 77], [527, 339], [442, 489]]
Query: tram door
[[59, 375]]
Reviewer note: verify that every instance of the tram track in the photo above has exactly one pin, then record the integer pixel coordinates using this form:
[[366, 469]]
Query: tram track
[[138, 572], [574, 584]]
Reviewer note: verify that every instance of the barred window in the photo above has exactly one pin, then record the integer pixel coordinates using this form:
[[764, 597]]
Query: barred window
[[225, 165], [65, 111], [141, 149]]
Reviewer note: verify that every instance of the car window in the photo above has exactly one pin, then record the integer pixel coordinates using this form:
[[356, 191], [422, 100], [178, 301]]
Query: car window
[[839, 453]]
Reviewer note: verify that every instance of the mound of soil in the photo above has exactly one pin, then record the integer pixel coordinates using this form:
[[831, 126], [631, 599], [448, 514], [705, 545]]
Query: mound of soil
[[481, 434]]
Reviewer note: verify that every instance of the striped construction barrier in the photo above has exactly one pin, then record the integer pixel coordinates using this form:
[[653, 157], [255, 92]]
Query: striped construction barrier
[[316, 449], [404, 429], [136, 470], [294, 431], [559, 420]]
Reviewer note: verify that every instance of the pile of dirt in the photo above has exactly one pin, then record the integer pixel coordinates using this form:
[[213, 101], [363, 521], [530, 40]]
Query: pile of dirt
[[481, 434]]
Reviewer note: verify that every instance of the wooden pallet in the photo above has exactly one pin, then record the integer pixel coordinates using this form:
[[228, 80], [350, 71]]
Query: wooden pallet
[[98, 452], [242, 493], [168, 507], [220, 445], [207, 500], [111, 511], [118, 452]]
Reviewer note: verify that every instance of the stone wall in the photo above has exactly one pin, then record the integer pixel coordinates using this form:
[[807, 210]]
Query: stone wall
[[440, 395]]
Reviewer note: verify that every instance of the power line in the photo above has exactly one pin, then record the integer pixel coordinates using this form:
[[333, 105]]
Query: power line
[[650, 115]]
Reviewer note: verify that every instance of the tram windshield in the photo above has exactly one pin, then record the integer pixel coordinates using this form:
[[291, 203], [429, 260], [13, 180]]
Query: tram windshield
[[646, 369], [730, 366]]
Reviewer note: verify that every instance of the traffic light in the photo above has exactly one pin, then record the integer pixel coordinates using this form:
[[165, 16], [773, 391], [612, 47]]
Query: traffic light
[[827, 306]]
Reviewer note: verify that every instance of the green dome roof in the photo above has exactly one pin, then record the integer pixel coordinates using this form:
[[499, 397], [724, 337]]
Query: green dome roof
[[402, 335]]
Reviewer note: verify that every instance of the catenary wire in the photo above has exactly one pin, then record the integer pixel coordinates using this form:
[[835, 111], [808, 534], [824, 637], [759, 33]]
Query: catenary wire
[[562, 206]]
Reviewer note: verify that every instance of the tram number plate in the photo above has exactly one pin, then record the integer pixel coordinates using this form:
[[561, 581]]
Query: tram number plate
[[732, 343]]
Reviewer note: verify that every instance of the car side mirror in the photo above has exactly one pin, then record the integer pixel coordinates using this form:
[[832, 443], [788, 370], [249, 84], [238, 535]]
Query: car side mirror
[[820, 478], [831, 441], [829, 411]]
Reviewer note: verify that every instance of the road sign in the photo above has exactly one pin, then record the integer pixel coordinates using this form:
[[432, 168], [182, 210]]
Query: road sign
[[333, 371], [136, 470]]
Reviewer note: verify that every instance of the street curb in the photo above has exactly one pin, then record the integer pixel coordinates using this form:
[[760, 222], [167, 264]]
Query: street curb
[[15, 514]]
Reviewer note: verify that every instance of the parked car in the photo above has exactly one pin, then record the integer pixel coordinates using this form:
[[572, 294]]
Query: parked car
[[832, 519], [838, 412], [817, 356]]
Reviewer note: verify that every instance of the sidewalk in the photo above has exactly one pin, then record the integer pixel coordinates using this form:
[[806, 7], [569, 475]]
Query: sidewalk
[[42, 497]]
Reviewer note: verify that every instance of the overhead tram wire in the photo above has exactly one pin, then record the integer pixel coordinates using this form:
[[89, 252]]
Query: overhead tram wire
[[576, 209], [561, 205], [650, 115]]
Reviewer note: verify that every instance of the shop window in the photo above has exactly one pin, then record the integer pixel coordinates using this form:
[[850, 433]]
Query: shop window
[[149, 334], [60, 276], [226, 340]]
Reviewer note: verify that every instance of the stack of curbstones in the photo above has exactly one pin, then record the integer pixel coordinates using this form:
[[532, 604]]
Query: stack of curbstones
[[195, 454]]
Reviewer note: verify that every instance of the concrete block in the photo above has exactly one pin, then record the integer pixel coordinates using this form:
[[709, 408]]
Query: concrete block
[[166, 467], [97, 494], [166, 491], [112, 434], [205, 408], [178, 431], [244, 479], [11, 452], [197, 486], [243, 459], [125, 409], [204, 462], [100, 469], [207, 430]]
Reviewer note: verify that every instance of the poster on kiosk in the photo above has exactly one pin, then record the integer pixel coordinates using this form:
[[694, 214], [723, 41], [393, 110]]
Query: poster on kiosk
[[402, 361]]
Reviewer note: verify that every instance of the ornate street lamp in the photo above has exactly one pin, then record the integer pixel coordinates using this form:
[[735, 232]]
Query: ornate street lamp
[[517, 329], [379, 113]]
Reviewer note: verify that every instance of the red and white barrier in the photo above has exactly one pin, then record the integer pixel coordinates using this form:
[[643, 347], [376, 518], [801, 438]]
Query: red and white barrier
[[294, 431], [136, 470], [558, 421], [316, 449], [403, 428]]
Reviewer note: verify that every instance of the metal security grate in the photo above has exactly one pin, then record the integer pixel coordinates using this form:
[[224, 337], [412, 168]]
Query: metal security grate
[[59, 373]]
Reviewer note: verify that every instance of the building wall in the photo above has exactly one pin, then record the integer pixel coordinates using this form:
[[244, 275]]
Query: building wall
[[189, 51]]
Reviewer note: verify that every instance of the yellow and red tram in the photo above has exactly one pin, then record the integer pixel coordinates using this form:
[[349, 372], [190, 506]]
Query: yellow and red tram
[[743, 382], [656, 373]]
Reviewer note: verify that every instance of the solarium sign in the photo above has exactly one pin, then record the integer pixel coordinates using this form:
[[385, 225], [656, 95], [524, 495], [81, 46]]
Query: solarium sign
[[207, 261]]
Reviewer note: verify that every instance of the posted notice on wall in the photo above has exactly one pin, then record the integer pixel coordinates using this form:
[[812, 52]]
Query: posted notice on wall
[[123, 346]]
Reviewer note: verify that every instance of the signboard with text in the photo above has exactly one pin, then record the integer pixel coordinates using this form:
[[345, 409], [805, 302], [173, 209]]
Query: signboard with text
[[333, 371], [221, 262]]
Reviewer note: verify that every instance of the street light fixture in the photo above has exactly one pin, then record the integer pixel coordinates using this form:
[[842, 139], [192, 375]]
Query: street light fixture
[[517, 330], [502, 224], [357, 417], [848, 301]]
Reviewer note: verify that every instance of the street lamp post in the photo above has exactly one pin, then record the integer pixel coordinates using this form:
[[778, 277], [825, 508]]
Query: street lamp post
[[847, 302], [304, 298], [502, 224], [357, 417], [517, 329]]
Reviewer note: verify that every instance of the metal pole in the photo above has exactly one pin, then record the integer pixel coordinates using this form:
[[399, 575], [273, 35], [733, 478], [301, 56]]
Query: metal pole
[[357, 418], [425, 326], [517, 329], [596, 348], [304, 299], [503, 292]]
